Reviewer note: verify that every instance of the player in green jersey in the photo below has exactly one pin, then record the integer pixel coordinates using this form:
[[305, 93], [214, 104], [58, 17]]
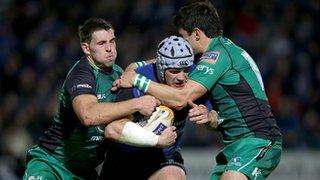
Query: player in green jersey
[[251, 137], [74, 145]]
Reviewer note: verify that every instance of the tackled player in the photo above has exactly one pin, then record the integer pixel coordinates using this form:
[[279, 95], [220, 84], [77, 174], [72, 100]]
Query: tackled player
[[173, 63]]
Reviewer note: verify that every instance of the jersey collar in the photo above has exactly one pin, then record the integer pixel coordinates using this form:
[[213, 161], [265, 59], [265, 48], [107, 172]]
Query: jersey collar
[[214, 42], [99, 69]]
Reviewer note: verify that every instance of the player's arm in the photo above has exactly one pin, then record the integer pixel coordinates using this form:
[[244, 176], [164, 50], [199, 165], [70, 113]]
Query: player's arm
[[207, 72], [172, 97], [127, 132], [92, 112], [176, 98], [81, 86]]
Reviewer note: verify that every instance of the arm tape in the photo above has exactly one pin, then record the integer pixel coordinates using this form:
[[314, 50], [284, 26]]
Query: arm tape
[[135, 135], [142, 83]]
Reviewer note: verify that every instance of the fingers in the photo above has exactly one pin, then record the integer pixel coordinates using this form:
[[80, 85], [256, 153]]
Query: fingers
[[191, 104], [114, 88], [115, 85], [131, 67], [173, 128], [170, 129], [116, 82], [199, 118], [199, 114], [196, 111], [158, 102], [203, 121]]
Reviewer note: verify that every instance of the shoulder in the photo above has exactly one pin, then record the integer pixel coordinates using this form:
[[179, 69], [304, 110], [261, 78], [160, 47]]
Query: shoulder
[[80, 79], [80, 72], [218, 53], [81, 67], [148, 71]]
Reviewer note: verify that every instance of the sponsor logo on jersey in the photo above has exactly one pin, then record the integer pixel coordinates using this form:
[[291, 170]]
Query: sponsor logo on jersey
[[80, 86], [84, 86], [235, 161], [256, 172], [96, 138], [101, 96], [205, 69], [210, 57], [35, 178]]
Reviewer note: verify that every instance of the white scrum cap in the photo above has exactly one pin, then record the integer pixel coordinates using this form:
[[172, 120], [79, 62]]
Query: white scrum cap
[[173, 53]]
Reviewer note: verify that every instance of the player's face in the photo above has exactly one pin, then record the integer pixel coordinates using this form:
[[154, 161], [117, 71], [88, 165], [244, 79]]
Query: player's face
[[192, 40], [176, 77], [102, 48]]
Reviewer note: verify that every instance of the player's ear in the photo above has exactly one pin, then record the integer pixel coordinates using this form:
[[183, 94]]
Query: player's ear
[[85, 48], [197, 33]]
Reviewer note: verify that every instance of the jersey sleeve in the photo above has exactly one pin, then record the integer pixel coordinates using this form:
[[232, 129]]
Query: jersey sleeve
[[212, 65], [80, 81]]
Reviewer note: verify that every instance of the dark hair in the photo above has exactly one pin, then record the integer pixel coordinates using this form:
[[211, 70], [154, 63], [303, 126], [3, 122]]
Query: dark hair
[[199, 14], [86, 30]]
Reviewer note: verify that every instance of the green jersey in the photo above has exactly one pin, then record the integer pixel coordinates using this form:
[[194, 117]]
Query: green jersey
[[236, 87], [79, 147]]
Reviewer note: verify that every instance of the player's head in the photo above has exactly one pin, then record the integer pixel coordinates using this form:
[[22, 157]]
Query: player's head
[[174, 60], [98, 42], [196, 19]]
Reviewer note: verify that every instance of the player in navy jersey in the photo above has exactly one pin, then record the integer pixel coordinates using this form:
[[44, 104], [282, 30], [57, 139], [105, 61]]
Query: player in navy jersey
[[173, 63]]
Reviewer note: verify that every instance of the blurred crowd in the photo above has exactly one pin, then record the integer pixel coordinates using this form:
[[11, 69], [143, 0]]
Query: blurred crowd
[[39, 43]]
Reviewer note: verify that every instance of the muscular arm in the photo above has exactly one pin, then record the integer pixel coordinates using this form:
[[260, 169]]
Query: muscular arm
[[92, 112], [169, 96], [176, 98]]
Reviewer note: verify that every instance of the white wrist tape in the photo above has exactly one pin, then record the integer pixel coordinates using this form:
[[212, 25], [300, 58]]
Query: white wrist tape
[[142, 83], [135, 135]]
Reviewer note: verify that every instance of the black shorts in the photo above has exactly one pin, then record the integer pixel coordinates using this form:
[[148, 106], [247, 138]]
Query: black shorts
[[120, 165]]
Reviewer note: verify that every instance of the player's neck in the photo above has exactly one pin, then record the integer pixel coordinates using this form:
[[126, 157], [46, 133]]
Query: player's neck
[[204, 44]]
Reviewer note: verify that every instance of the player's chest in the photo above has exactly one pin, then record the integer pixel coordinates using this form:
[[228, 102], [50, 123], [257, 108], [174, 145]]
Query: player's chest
[[103, 88]]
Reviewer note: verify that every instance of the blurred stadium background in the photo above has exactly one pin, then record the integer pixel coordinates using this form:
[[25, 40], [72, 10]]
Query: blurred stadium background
[[38, 43]]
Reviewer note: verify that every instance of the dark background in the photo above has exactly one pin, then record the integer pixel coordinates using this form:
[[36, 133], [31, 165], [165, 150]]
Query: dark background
[[39, 43]]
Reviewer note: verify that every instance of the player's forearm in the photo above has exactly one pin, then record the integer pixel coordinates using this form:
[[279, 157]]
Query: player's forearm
[[104, 113], [130, 133], [169, 96], [173, 97], [113, 130]]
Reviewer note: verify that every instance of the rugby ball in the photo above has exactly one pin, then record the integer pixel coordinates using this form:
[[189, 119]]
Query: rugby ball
[[160, 119]]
